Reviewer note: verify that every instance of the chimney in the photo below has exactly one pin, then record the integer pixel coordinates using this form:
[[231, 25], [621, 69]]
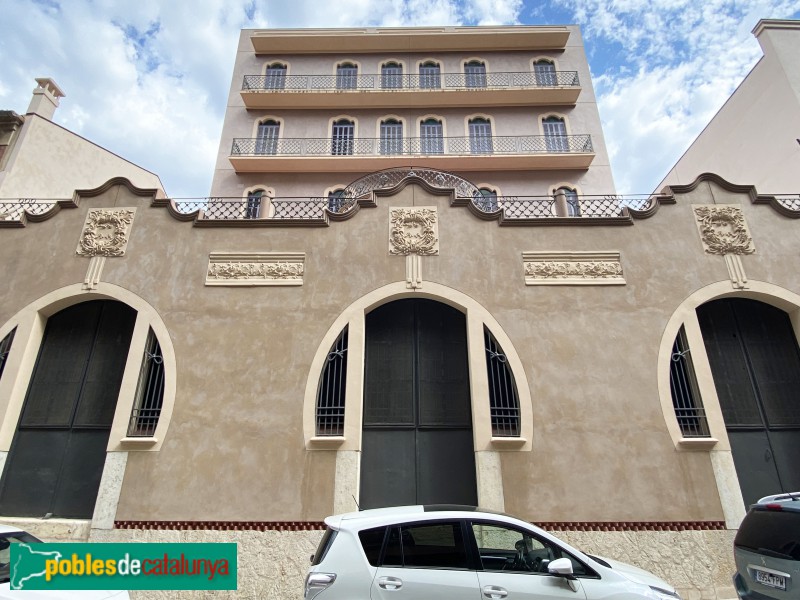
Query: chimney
[[45, 98]]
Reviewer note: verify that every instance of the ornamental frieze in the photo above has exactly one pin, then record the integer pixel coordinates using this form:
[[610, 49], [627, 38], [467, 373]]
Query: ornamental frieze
[[572, 268], [255, 269], [106, 232], [414, 231], [723, 229]]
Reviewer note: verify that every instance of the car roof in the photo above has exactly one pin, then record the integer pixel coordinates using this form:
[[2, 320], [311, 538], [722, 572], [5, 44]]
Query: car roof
[[787, 500], [375, 517], [9, 529]]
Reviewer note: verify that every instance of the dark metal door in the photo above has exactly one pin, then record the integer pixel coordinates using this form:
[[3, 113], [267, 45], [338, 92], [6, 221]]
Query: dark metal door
[[417, 445], [755, 361], [59, 449]]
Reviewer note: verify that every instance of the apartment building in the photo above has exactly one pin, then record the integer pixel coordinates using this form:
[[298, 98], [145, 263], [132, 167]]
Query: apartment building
[[412, 283]]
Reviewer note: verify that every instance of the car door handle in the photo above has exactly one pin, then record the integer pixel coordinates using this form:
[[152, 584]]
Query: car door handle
[[493, 591], [390, 583]]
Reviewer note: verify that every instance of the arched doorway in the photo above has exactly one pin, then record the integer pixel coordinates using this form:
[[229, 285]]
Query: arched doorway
[[755, 362], [57, 455], [417, 440]]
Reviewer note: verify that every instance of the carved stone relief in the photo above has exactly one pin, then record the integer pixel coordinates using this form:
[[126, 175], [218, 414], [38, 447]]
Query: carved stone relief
[[106, 232], [573, 268], [255, 269], [414, 231], [723, 229]]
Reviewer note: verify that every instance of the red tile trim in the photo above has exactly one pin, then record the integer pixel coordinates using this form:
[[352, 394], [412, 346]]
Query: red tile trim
[[319, 525]]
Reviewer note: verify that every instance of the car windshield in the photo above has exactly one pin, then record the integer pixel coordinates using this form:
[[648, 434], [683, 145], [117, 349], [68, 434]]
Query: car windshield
[[6, 540]]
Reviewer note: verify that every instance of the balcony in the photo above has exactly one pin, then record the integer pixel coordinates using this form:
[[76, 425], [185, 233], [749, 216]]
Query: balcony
[[327, 155], [387, 91]]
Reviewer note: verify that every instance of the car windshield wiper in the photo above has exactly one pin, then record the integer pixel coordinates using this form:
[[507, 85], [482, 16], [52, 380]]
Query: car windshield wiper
[[773, 553]]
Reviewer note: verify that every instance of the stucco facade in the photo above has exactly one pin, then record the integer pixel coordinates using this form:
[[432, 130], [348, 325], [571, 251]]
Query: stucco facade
[[582, 307], [753, 137]]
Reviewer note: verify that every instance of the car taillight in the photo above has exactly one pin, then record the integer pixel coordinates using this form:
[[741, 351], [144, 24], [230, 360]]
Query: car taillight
[[317, 583], [773, 506]]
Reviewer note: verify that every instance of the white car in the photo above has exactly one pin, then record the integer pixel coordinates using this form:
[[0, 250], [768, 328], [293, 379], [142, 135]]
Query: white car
[[12, 535], [457, 553]]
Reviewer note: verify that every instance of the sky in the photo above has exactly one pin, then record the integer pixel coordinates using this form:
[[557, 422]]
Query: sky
[[149, 79]]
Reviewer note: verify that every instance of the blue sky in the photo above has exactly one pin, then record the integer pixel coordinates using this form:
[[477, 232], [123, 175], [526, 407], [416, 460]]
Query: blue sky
[[149, 79]]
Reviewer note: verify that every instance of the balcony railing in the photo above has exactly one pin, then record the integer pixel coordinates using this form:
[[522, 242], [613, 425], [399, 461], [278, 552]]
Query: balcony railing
[[390, 82], [453, 146]]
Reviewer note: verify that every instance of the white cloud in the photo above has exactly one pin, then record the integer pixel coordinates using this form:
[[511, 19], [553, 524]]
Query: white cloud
[[677, 63]]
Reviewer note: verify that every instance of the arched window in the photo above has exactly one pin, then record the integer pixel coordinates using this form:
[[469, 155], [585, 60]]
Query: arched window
[[480, 136], [391, 137], [485, 199], [267, 140], [342, 137], [149, 391], [5, 348], [275, 77], [544, 72], [253, 207], [503, 396], [391, 75], [346, 76], [331, 390], [336, 200], [430, 75], [573, 202], [555, 134], [686, 398], [431, 136], [475, 74]]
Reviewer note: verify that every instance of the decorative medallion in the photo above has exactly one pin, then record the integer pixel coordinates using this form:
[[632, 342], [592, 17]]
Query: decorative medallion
[[572, 268], [106, 232], [255, 269], [723, 229], [414, 231]]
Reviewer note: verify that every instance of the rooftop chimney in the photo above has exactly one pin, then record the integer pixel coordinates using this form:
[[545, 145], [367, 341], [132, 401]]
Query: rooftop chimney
[[45, 98]]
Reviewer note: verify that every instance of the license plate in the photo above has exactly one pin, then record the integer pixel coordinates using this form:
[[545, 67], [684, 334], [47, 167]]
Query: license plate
[[771, 580]]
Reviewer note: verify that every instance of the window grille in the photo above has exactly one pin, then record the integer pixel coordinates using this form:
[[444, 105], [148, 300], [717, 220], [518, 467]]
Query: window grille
[[503, 396], [149, 391], [253, 208], [475, 74], [431, 136], [430, 76], [391, 137], [331, 390], [485, 199], [5, 348], [276, 77], [480, 136], [686, 399], [336, 200], [346, 77], [392, 75]]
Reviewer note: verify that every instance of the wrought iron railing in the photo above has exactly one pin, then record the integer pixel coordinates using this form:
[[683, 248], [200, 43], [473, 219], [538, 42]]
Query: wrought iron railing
[[389, 82], [453, 146], [12, 209], [792, 202]]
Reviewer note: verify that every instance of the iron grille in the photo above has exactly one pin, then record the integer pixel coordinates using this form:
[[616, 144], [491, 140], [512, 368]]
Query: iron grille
[[5, 348], [686, 399], [503, 396], [149, 391], [331, 391]]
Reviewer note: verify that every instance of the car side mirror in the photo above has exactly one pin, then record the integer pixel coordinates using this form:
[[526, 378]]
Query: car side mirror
[[562, 567]]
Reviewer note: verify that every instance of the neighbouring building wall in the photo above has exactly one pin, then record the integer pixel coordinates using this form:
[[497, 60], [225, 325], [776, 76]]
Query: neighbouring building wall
[[49, 161], [754, 136]]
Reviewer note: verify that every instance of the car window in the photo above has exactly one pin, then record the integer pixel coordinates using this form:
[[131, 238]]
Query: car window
[[324, 546], [431, 545], [503, 548], [771, 532], [371, 542]]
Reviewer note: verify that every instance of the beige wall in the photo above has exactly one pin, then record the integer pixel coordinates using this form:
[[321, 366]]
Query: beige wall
[[235, 450], [752, 139], [49, 161]]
